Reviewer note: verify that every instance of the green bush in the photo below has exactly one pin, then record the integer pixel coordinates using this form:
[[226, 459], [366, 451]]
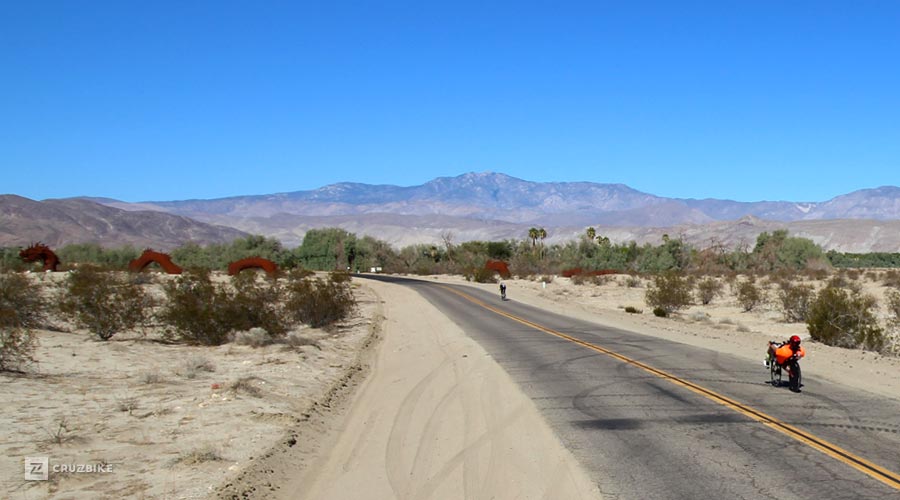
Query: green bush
[[196, 310], [708, 289], [482, 275], [660, 312], [92, 253], [749, 295], [319, 303], [669, 292], [632, 310], [255, 303], [10, 260], [102, 302], [840, 318], [795, 301]]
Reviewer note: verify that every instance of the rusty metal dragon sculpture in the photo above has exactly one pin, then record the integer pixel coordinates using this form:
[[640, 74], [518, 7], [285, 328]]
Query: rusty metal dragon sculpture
[[253, 262], [148, 257], [39, 251]]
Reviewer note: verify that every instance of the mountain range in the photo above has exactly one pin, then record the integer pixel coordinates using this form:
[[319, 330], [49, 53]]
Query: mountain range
[[59, 222], [493, 206]]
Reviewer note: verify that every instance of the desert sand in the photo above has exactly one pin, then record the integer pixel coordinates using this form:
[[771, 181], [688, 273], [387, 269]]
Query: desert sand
[[392, 404]]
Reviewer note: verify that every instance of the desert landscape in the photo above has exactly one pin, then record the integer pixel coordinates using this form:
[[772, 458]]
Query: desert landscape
[[709, 177], [242, 420]]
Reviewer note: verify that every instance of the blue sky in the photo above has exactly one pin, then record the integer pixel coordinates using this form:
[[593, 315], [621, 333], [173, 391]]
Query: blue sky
[[755, 100]]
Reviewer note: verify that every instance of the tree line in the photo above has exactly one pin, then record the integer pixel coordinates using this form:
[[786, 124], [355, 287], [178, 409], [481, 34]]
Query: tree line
[[336, 249]]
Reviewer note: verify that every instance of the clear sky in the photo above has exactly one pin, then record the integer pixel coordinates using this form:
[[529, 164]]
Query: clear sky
[[754, 100]]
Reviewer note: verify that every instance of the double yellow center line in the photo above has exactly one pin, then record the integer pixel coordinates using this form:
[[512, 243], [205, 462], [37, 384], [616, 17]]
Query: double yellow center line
[[880, 473]]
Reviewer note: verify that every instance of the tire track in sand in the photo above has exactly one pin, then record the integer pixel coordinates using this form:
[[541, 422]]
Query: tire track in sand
[[438, 418]]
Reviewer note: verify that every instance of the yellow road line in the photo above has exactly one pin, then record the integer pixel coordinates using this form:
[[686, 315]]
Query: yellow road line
[[887, 477]]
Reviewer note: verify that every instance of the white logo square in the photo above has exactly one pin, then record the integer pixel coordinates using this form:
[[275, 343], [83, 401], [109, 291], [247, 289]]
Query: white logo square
[[37, 468]]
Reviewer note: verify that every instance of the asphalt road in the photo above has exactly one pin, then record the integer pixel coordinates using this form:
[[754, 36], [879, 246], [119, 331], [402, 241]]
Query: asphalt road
[[653, 419]]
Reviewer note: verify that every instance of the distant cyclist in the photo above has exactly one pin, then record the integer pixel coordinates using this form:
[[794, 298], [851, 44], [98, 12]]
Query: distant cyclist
[[502, 290]]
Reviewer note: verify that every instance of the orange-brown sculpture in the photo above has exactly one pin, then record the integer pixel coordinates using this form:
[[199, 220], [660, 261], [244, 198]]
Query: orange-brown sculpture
[[499, 266], [253, 262], [39, 251], [148, 257]]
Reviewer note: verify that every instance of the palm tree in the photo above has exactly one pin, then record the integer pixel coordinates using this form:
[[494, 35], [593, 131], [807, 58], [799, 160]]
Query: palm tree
[[533, 233], [591, 233], [542, 233]]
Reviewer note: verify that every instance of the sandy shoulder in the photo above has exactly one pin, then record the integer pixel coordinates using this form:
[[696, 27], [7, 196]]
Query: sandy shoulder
[[438, 418]]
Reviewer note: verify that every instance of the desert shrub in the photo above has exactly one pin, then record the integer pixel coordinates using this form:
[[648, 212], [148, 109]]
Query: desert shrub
[[254, 337], [795, 301], [840, 280], [294, 339], [340, 276], [10, 260], [17, 347], [633, 282], [590, 279], [318, 303], [891, 278], [299, 273], [255, 303], [660, 312], [708, 289], [841, 318], [104, 303], [632, 310], [670, 292], [246, 385], [699, 316], [21, 302], [749, 295], [481, 275], [817, 274], [193, 366], [60, 431], [92, 253], [152, 377], [196, 310], [892, 341], [893, 306], [208, 453]]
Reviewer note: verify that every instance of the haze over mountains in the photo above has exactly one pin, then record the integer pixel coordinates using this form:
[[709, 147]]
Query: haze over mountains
[[494, 206]]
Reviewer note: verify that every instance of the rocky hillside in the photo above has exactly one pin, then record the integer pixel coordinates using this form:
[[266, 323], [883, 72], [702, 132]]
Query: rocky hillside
[[59, 222]]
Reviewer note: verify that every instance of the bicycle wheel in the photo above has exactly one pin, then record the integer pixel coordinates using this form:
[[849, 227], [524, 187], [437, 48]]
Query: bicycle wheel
[[795, 377], [775, 373]]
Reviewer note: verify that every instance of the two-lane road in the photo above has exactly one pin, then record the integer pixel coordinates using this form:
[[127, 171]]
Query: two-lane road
[[653, 419]]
